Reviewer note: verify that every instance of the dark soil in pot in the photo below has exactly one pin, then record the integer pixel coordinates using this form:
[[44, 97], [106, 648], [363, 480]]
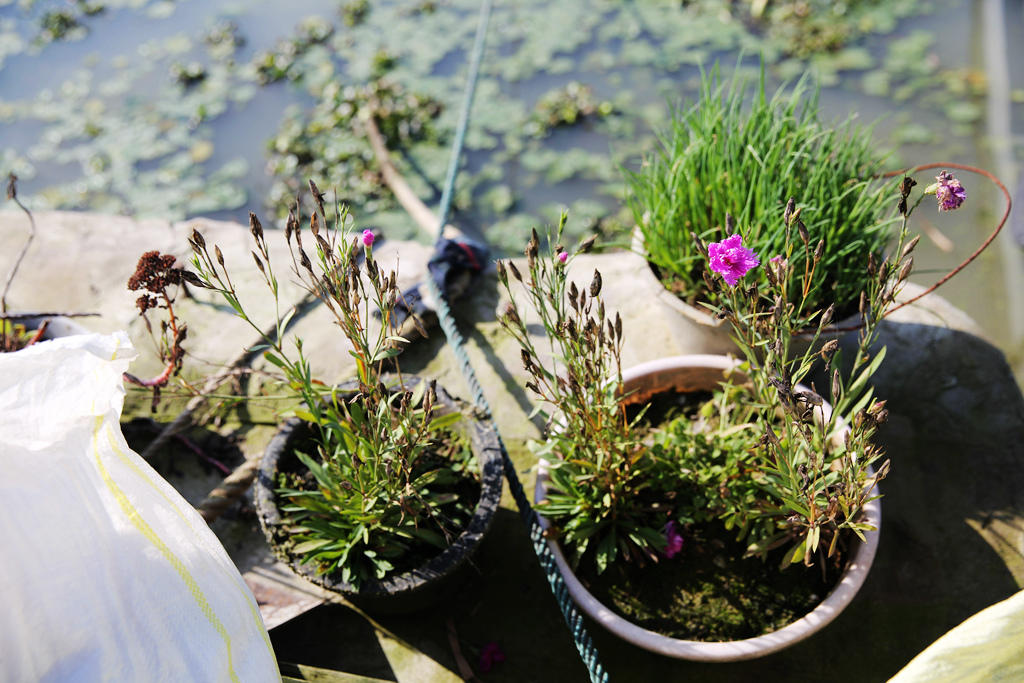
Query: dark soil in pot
[[708, 591]]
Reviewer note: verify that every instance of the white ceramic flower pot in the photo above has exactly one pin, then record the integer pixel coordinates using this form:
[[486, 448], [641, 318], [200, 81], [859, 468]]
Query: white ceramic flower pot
[[699, 331], [694, 373]]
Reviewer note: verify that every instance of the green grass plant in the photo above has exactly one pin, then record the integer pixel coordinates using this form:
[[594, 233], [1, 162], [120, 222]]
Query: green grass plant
[[738, 150]]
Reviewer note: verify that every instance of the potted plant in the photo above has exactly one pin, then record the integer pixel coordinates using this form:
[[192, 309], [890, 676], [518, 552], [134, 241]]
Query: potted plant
[[741, 151], [380, 488], [680, 489]]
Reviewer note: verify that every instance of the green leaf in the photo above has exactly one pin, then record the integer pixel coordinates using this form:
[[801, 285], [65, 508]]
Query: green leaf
[[307, 546], [273, 359]]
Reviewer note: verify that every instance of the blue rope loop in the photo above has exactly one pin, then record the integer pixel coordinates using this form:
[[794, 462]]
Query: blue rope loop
[[573, 619]]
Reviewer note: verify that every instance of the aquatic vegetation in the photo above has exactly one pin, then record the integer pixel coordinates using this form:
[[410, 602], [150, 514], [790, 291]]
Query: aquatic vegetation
[[142, 131], [566, 106], [327, 143]]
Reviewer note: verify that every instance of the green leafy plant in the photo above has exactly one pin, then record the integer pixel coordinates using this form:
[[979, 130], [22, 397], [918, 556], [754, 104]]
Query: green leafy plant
[[384, 461], [741, 151], [764, 455], [607, 489]]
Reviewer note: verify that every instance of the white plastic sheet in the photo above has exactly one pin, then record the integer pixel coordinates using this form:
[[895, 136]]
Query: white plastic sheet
[[106, 572], [987, 647]]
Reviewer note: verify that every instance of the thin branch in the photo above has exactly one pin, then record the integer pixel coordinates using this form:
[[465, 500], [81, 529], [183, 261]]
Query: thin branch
[[12, 194]]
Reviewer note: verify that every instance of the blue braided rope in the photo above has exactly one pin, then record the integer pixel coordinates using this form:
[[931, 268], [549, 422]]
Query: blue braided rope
[[573, 619]]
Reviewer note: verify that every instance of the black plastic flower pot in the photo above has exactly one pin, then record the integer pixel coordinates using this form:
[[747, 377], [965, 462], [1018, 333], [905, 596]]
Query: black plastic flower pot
[[438, 578]]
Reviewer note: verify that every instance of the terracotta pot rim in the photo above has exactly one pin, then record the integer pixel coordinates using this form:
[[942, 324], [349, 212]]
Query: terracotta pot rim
[[850, 582], [486, 448]]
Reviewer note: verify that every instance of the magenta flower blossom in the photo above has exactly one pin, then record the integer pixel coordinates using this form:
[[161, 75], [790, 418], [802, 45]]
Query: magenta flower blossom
[[673, 540], [730, 259], [490, 655], [368, 238], [949, 192], [563, 256]]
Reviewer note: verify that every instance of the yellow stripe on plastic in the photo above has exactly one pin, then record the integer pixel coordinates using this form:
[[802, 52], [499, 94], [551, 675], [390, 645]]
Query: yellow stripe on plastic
[[130, 464], [136, 519]]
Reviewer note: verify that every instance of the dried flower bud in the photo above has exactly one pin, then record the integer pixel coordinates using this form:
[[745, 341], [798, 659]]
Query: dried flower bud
[[819, 250], [618, 326], [872, 265], [259, 264], [701, 246], [802, 230], [515, 271], [314, 225], [197, 238], [12, 186], [304, 260], [220, 256], [787, 214], [502, 272], [255, 227], [826, 317], [587, 245], [906, 185], [595, 284], [531, 248], [910, 247], [830, 347], [730, 224], [193, 279], [511, 314], [574, 294], [527, 360], [908, 266], [836, 384], [290, 226], [318, 196]]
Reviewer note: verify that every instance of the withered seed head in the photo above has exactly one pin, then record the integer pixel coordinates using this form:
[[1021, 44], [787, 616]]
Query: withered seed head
[[255, 227], [595, 284]]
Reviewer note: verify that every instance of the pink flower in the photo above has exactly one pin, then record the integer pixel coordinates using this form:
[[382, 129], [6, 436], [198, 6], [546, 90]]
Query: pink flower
[[776, 259], [731, 259], [949, 192], [490, 655], [673, 540], [368, 238], [563, 256]]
